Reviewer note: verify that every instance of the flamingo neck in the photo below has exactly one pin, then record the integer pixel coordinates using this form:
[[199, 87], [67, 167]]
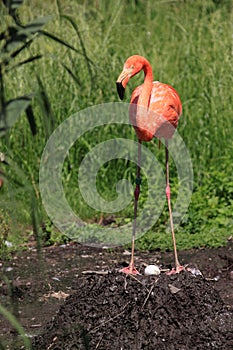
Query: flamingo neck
[[144, 129], [144, 97]]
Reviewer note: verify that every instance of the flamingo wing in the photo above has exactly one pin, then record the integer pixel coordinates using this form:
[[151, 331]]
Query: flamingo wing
[[165, 107]]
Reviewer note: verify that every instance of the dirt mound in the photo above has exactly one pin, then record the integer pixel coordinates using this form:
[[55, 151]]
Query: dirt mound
[[116, 311]]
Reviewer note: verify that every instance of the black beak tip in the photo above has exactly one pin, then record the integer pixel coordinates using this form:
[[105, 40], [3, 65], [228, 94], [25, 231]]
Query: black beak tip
[[120, 90]]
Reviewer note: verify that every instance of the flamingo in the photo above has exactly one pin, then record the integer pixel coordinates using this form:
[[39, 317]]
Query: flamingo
[[154, 111]]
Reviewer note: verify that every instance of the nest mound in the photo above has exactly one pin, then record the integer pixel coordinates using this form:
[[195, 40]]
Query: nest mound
[[123, 312]]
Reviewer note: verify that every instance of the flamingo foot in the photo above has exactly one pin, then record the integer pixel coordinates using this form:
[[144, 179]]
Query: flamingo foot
[[130, 270], [178, 269]]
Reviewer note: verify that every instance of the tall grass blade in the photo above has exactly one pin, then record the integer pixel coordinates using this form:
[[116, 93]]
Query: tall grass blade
[[26, 45], [74, 25], [60, 41], [31, 119], [59, 7], [47, 114], [28, 60], [74, 76], [2, 99], [36, 227], [15, 323], [113, 20]]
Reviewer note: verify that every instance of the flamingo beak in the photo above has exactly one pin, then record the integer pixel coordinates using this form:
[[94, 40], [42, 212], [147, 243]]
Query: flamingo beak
[[120, 89], [122, 82]]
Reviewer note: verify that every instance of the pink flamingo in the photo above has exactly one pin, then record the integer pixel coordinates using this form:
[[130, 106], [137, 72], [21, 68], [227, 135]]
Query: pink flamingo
[[154, 112]]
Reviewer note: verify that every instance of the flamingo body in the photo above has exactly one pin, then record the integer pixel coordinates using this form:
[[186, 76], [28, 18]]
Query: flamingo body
[[164, 111]]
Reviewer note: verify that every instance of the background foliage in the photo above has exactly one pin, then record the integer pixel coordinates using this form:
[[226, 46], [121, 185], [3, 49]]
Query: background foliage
[[58, 57]]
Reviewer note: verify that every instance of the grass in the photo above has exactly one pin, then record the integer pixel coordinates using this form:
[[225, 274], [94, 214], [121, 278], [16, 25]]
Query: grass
[[189, 44], [17, 326]]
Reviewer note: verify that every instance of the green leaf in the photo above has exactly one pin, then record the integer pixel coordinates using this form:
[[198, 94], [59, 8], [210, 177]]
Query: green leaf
[[35, 25], [14, 4], [12, 111], [13, 39], [18, 35]]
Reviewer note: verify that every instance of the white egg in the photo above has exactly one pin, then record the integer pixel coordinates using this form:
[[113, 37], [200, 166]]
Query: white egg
[[152, 270]]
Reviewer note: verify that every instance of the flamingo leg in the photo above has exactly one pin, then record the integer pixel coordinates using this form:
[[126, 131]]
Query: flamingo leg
[[131, 268], [178, 267]]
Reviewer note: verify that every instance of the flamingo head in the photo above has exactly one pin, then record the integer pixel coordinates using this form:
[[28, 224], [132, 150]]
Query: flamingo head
[[133, 65]]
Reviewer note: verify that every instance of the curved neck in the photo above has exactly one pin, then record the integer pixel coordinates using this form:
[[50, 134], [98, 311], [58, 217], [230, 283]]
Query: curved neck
[[144, 97]]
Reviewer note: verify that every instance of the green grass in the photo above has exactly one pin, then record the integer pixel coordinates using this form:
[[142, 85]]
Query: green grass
[[189, 44], [25, 342]]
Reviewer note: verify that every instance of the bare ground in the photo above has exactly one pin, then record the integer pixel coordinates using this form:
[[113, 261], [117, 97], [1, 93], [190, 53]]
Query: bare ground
[[73, 297]]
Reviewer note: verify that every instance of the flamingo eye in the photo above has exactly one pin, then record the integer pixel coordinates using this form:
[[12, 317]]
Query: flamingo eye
[[132, 66]]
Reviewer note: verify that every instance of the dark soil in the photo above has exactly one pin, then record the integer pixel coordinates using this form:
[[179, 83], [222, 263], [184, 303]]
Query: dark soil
[[124, 312], [72, 297]]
